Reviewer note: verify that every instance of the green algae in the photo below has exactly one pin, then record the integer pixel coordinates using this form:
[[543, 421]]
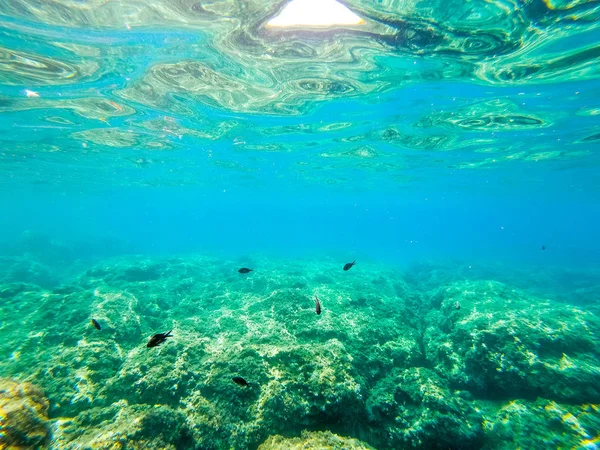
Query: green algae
[[518, 424], [501, 343], [391, 360], [414, 408]]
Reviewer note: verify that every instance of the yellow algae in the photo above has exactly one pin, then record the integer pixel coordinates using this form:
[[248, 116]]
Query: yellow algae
[[591, 443], [565, 363]]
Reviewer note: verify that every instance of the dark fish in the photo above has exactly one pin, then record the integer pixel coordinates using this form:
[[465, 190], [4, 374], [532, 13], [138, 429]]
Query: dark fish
[[158, 339], [348, 266], [457, 305], [317, 305], [240, 381], [543, 247], [96, 324], [244, 270]]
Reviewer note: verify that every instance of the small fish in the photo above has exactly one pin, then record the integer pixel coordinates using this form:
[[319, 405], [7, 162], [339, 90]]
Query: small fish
[[245, 270], [543, 247], [348, 266], [240, 381], [158, 339], [96, 324], [317, 305], [457, 306]]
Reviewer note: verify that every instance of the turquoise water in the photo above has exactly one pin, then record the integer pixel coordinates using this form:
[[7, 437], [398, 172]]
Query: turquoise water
[[152, 149]]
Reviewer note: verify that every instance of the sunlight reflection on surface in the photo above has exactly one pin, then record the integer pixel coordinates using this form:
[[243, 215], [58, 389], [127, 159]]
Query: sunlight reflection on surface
[[315, 13]]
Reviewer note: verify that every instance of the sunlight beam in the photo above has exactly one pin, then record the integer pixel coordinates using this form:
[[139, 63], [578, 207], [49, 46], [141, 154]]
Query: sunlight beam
[[314, 13]]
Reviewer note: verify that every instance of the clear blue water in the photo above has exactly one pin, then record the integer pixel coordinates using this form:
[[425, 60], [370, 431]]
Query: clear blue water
[[453, 133]]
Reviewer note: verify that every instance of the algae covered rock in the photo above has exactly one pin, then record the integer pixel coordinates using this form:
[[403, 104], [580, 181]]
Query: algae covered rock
[[314, 440], [413, 408], [124, 426], [26, 270], [311, 385], [394, 360], [23, 416], [520, 423], [503, 344]]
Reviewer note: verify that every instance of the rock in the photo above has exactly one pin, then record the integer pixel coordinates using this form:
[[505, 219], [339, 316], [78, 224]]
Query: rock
[[124, 426], [23, 416], [413, 408], [165, 426], [519, 424], [11, 290], [314, 440], [391, 359], [504, 344], [311, 385], [26, 270]]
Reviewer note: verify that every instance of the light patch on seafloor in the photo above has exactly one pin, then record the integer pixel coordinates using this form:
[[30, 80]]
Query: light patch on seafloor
[[314, 13], [84, 386]]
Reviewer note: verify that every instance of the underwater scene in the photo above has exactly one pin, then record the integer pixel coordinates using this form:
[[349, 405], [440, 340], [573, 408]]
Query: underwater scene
[[299, 224]]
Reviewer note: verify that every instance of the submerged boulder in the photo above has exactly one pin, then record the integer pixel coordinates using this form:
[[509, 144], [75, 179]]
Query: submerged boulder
[[314, 440], [23, 416], [503, 344], [413, 408], [311, 385], [124, 426], [540, 424]]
